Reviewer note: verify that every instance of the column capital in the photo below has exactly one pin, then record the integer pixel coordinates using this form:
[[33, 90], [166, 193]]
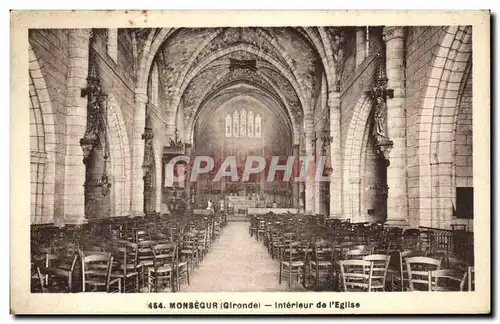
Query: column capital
[[391, 32]]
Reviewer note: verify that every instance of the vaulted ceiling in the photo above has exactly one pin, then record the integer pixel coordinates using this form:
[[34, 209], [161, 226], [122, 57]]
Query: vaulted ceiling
[[286, 66]]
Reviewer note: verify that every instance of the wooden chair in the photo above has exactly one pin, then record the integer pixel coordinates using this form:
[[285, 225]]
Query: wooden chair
[[378, 271], [96, 273], [322, 265], [291, 263], [418, 272], [162, 272], [445, 280], [144, 259], [355, 275], [58, 272], [189, 250], [398, 270], [127, 269], [181, 270]]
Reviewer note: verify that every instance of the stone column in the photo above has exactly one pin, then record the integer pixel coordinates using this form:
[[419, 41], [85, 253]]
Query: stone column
[[360, 45], [296, 184], [76, 123], [302, 187], [318, 142], [310, 181], [397, 200], [141, 99], [188, 148], [335, 156]]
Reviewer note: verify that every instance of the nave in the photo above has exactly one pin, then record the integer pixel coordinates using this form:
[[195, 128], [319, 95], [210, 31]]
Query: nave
[[237, 263]]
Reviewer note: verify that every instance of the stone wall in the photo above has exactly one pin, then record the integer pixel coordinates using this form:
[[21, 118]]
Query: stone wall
[[51, 52], [420, 47], [49, 70]]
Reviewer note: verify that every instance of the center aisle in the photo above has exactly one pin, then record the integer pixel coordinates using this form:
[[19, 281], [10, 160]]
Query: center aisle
[[236, 263]]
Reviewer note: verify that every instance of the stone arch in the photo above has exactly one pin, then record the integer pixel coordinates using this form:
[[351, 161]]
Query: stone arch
[[44, 157], [436, 130], [352, 157], [199, 104], [120, 159], [252, 92], [151, 47], [246, 48]]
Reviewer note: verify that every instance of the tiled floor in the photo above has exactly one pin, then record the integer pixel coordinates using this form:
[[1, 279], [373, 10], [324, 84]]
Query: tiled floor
[[236, 263]]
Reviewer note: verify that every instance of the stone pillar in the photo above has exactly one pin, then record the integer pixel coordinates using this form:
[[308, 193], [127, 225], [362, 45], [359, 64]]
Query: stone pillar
[[335, 156], [360, 45], [397, 200], [76, 123], [296, 184], [188, 148], [310, 181], [141, 99]]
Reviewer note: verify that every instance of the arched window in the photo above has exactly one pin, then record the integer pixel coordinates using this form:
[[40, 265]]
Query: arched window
[[250, 126], [243, 123], [229, 126], [258, 126], [236, 124]]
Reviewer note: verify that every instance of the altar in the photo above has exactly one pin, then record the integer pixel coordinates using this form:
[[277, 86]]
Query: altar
[[239, 203]]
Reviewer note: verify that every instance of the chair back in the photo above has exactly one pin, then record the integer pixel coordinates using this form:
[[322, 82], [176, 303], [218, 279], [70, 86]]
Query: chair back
[[445, 280], [96, 268], [355, 254], [355, 275], [378, 270], [290, 252], [145, 251], [418, 271], [323, 251], [127, 256], [164, 255]]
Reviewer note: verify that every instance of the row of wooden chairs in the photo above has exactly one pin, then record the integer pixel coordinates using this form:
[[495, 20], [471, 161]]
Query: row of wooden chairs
[[345, 241], [152, 257]]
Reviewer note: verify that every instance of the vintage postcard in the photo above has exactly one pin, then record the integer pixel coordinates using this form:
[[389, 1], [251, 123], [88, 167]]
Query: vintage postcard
[[259, 162]]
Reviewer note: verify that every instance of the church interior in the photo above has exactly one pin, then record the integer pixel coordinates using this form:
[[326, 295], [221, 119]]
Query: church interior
[[387, 109]]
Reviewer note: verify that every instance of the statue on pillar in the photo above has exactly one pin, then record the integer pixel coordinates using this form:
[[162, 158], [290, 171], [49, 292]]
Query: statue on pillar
[[380, 119], [379, 95]]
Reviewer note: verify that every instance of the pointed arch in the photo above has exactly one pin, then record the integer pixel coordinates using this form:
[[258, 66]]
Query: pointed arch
[[120, 159], [352, 157], [436, 130], [44, 155]]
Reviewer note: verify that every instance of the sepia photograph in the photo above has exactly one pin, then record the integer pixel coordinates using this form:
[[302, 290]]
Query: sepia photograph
[[250, 168]]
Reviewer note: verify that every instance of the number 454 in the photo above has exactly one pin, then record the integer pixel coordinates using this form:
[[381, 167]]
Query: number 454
[[155, 305]]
